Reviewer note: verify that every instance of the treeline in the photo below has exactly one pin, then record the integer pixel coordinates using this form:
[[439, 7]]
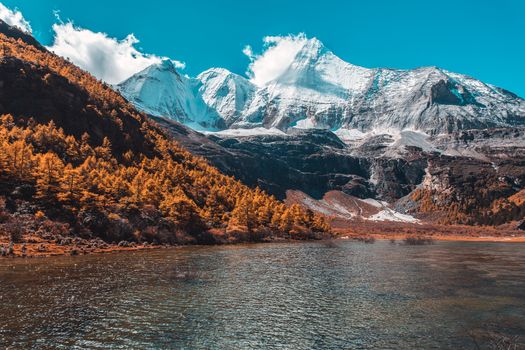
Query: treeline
[[480, 207], [171, 198], [470, 191], [86, 157]]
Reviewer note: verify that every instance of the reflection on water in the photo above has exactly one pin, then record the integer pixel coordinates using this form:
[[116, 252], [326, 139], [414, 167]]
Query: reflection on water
[[273, 296]]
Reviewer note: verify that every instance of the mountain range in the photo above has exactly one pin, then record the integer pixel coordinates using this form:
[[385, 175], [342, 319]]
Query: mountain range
[[430, 144], [347, 142], [319, 90]]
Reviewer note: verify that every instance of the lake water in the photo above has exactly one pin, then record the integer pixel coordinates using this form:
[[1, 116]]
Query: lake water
[[347, 295]]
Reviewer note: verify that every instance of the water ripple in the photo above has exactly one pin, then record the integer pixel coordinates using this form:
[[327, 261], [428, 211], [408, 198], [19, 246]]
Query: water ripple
[[277, 296]]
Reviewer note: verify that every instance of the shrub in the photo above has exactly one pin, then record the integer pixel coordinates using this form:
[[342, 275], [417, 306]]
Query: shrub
[[15, 229], [369, 240], [366, 239], [39, 215], [418, 240]]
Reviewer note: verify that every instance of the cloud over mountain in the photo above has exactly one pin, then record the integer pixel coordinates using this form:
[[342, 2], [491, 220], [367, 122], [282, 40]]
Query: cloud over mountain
[[14, 18], [279, 52], [107, 58]]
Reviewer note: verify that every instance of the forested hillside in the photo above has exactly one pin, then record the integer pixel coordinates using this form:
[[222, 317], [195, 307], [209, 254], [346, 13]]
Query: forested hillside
[[77, 157]]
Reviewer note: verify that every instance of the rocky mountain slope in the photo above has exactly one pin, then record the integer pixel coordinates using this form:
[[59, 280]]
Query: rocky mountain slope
[[468, 177], [426, 144], [437, 145]]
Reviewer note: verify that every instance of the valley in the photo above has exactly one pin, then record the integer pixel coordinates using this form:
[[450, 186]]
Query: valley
[[262, 175], [360, 150]]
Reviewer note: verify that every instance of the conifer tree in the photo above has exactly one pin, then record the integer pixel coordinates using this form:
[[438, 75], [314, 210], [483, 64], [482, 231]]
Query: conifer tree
[[182, 211], [48, 173], [242, 216], [85, 148], [70, 187], [104, 151]]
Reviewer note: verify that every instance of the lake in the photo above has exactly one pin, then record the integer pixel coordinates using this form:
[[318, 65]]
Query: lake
[[346, 295]]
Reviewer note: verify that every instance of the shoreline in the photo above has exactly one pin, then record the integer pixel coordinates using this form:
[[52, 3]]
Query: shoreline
[[48, 249], [44, 249], [450, 238], [436, 232]]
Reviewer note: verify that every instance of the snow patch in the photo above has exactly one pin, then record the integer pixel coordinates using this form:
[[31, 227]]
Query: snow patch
[[314, 205], [414, 138], [387, 214], [348, 135], [374, 202], [247, 132], [391, 215], [340, 209], [304, 124], [374, 178]]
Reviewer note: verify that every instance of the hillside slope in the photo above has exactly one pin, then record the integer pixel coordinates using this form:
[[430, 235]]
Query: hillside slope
[[466, 177], [79, 160]]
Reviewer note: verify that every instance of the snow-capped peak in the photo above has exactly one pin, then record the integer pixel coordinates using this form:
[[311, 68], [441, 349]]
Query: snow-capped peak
[[221, 74], [297, 82], [167, 64], [225, 92], [161, 91], [308, 55]]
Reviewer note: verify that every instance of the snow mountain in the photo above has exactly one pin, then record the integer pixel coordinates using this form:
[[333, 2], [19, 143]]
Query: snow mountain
[[423, 145], [226, 93], [319, 90], [160, 90]]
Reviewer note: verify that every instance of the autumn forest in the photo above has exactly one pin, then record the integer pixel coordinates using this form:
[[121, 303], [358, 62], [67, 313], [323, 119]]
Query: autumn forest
[[87, 164]]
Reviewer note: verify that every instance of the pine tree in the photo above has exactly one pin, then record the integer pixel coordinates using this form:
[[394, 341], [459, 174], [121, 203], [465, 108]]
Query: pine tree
[[71, 187], [20, 160], [286, 221], [85, 148], [48, 174], [243, 216], [104, 151], [182, 211]]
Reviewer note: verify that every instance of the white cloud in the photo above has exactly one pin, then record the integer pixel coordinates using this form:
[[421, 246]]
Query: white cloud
[[279, 52], [14, 18], [248, 52], [108, 59]]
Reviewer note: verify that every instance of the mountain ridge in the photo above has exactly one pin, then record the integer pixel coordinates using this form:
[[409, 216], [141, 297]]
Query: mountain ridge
[[412, 138], [463, 176], [319, 90]]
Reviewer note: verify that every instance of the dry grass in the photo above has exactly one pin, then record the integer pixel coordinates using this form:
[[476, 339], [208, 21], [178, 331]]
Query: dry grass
[[400, 231], [31, 246], [418, 240]]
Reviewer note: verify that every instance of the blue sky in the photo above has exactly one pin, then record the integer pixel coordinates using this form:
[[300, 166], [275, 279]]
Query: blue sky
[[484, 39]]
